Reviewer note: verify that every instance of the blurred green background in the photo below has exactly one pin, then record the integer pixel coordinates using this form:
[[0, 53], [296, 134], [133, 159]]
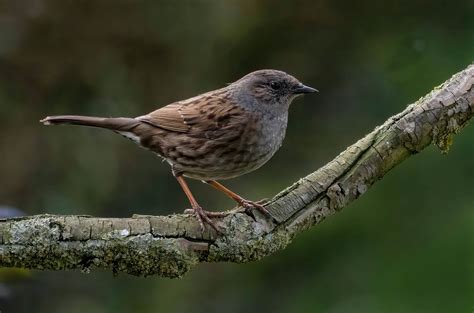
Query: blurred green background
[[405, 246]]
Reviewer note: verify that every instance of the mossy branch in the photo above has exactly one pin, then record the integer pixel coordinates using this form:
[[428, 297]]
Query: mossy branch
[[171, 245]]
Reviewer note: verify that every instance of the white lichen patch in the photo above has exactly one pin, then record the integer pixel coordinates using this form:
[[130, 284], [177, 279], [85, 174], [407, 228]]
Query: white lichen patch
[[124, 232], [116, 234]]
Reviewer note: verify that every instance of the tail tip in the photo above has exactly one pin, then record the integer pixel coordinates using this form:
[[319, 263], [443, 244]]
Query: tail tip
[[46, 121]]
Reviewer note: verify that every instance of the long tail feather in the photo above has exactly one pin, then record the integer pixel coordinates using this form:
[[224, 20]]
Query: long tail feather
[[113, 123]]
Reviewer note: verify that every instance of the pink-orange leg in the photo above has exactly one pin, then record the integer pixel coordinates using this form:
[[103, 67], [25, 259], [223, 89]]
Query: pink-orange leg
[[247, 204], [201, 215]]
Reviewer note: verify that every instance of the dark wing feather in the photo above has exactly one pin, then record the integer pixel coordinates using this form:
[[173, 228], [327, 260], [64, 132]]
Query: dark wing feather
[[211, 116], [167, 117]]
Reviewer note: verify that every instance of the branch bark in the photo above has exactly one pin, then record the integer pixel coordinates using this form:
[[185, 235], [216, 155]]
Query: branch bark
[[171, 245]]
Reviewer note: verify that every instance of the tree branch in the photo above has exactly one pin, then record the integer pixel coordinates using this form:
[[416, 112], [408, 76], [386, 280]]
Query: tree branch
[[171, 245]]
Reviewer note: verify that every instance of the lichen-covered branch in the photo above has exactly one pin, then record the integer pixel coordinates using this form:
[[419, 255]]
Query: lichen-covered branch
[[171, 245]]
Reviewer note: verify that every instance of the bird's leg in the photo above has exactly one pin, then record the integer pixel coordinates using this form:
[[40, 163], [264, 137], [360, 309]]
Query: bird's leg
[[247, 204], [201, 215]]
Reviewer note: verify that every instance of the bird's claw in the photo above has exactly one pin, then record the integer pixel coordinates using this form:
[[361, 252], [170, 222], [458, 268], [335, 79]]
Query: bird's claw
[[205, 217], [247, 204]]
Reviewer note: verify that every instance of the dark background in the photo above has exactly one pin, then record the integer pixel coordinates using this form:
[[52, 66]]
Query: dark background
[[405, 246]]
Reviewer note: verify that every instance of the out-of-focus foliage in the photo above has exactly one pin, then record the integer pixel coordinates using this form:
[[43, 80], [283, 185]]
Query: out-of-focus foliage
[[406, 246]]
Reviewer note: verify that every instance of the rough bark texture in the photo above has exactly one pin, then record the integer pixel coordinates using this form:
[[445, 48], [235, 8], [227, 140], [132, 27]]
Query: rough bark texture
[[171, 245]]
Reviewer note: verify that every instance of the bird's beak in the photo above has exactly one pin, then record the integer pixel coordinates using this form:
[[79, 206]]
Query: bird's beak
[[302, 89]]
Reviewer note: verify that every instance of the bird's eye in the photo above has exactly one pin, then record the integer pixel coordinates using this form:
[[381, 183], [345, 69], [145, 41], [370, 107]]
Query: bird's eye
[[275, 85]]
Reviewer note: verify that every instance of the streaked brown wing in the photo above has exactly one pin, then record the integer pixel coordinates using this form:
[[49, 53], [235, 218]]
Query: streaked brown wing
[[211, 116], [168, 117]]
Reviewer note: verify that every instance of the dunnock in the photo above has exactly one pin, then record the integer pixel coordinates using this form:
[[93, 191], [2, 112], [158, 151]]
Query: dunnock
[[218, 135]]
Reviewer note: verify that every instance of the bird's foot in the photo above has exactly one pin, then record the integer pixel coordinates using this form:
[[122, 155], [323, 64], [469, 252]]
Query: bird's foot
[[204, 216], [247, 204]]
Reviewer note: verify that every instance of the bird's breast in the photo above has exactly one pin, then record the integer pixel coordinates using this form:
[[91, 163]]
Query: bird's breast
[[246, 150]]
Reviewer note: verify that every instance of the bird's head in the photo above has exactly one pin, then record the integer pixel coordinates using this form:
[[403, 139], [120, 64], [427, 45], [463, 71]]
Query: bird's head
[[269, 89]]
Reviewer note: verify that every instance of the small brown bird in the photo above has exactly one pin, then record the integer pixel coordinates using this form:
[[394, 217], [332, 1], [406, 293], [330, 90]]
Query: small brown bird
[[217, 135]]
